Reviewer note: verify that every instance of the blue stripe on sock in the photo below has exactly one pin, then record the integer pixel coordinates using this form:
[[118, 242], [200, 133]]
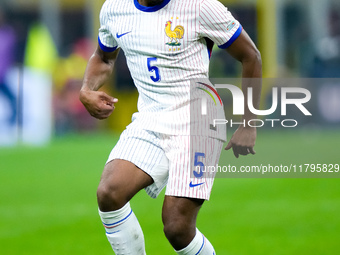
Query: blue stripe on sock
[[201, 246], [118, 221], [112, 232]]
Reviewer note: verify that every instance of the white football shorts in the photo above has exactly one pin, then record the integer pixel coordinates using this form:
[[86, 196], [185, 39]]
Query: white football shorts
[[180, 163]]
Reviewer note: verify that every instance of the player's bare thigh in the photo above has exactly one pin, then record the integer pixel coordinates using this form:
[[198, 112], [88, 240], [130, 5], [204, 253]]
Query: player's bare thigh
[[120, 181]]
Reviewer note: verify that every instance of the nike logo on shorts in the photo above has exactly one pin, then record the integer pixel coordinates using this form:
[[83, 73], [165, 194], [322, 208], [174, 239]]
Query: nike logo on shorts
[[191, 185]]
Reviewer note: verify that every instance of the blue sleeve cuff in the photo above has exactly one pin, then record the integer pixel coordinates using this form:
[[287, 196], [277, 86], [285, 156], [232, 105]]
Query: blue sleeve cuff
[[105, 48], [232, 39]]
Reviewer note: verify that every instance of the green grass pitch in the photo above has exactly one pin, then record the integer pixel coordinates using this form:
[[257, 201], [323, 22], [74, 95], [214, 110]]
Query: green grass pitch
[[48, 200]]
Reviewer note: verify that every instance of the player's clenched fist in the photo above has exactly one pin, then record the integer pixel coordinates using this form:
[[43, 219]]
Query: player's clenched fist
[[99, 104]]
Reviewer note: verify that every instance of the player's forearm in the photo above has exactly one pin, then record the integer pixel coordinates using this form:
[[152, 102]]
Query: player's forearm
[[252, 75], [97, 72], [245, 51]]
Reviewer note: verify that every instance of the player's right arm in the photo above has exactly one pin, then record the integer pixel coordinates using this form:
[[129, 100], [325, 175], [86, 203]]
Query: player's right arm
[[99, 68], [219, 25]]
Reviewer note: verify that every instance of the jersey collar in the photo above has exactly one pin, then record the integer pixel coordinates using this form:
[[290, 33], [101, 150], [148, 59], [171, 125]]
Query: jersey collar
[[151, 8]]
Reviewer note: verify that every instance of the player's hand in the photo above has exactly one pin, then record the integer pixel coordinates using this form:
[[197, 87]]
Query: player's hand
[[243, 141], [99, 104]]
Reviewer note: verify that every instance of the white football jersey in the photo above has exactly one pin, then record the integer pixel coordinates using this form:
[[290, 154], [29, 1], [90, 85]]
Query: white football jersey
[[166, 46]]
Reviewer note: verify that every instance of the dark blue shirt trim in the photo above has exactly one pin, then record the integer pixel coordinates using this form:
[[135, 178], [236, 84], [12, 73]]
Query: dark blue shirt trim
[[232, 39], [151, 8], [105, 48], [210, 45]]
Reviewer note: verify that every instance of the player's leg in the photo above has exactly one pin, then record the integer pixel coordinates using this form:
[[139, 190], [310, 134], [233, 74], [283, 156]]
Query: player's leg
[[120, 181], [187, 188], [179, 216], [134, 163]]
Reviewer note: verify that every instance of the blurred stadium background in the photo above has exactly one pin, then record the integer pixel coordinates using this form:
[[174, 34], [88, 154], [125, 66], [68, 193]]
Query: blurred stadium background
[[52, 152]]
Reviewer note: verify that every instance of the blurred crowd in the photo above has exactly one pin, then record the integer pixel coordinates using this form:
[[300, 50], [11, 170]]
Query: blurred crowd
[[31, 47], [69, 113], [7, 55]]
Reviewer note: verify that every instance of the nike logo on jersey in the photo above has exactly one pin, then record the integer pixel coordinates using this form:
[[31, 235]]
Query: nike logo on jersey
[[191, 185], [120, 35]]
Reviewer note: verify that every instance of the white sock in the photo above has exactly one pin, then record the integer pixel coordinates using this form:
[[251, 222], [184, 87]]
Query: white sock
[[198, 246], [123, 231]]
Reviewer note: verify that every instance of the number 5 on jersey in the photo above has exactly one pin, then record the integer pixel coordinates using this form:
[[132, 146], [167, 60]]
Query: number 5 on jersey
[[152, 68]]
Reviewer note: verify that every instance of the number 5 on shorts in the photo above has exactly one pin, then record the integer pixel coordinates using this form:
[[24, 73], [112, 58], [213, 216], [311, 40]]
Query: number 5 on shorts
[[198, 174]]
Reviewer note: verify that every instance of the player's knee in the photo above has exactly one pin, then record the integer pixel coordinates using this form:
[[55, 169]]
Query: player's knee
[[109, 197], [175, 230]]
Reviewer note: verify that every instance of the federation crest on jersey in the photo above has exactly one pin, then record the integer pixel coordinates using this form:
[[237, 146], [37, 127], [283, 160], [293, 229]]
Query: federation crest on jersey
[[174, 35]]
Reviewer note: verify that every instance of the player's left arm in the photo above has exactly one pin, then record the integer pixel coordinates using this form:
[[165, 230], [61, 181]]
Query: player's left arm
[[244, 50]]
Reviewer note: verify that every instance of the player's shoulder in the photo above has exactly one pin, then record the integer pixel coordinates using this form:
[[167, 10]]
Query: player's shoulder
[[114, 4], [211, 3], [209, 7], [110, 4], [112, 7]]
